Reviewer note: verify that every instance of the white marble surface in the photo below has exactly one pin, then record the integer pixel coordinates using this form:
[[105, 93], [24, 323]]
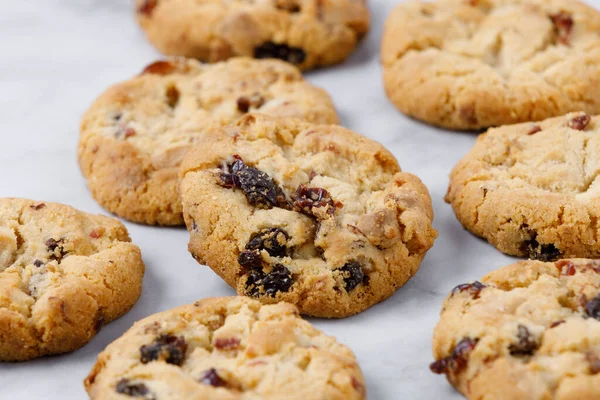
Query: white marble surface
[[58, 55]]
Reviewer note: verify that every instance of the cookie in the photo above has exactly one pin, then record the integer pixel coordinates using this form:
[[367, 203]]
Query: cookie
[[315, 215], [134, 136], [471, 64], [307, 33], [532, 189], [63, 275], [228, 348], [527, 331]]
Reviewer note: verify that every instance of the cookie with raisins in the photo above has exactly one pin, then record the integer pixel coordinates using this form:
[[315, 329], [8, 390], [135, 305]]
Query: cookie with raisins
[[228, 348], [135, 134], [315, 215], [529, 330], [63, 275], [533, 189], [306, 33]]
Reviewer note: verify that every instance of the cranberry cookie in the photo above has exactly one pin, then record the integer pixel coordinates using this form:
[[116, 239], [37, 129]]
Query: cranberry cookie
[[533, 189], [471, 64], [63, 274], [528, 331], [307, 33], [315, 215], [134, 136], [230, 348]]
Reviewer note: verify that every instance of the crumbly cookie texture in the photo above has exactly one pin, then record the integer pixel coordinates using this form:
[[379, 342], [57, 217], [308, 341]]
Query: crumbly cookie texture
[[230, 348], [307, 33], [315, 215], [63, 275], [134, 136], [471, 64], [527, 331], [532, 189]]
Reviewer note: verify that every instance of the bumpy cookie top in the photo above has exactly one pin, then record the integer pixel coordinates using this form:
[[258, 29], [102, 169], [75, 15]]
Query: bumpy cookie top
[[307, 33], [134, 136], [230, 348], [530, 330], [532, 189], [315, 215], [63, 274], [471, 64]]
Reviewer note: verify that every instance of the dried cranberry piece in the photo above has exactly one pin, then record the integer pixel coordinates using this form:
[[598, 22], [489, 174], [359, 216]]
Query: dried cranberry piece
[[580, 122], [353, 275], [160, 68], [294, 55], [535, 129], [592, 308], [457, 360], [212, 378], [563, 25], [278, 280], [541, 252], [37, 206], [250, 259], [308, 200], [526, 344], [227, 344], [566, 267], [557, 323], [134, 389], [169, 348], [147, 7], [474, 288], [273, 240]]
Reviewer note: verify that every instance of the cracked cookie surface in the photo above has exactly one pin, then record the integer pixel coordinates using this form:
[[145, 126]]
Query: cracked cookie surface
[[527, 331], [63, 274], [315, 215], [134, 136], [472, 64], [532, 189], [230, 348], [307, 33]]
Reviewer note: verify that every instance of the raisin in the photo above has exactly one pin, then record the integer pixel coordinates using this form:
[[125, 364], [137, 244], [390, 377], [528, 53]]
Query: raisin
[[290, 6], [541, 252], [353, 275], [273, 240], [579, 123], [244, 103], [37, 206], [592, 308], [594, 362], [212, 378], [566, 267], [457, 360], [294, 55], [309, 201], [134, 389], [147, 7], [56, 249], [166, 347], [260, 190], [38, 263], [250, 259], [526, 345], [563, 25], [278, 280], [474, 288], [172, 95]]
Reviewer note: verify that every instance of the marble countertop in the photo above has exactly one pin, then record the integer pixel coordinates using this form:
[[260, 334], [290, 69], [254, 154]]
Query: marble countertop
[[58, 55]]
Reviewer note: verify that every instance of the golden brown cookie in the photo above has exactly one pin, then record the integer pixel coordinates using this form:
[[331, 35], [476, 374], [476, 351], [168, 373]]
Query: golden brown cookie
[[134, 136], [315, 215], [528, 331], [63, 274], [471, 64], [229, 348], [307, 33]]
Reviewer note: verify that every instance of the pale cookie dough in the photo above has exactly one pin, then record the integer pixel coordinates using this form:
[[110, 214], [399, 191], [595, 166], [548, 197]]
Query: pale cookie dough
[[533, 189], [315, 215], [134, 136], [307, 33], [472, 64], [527, 331], [63, 275], [230, 348]]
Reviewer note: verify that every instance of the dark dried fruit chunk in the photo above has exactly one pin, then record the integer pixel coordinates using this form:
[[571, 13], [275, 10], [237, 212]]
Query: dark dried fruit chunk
[[273, 240], [456, 361], [134, 389], [535, 129], [541, 252], [474, 288], [168, 348], [557, 323], [566, 267], [563, 25], [526, 345], [160, 68], [56, 249], [212, 378], [250, 259], [290, 6], [278, 280], [294, 55], [244, 103], [353, 275], [579, 123], [316, 202], [592, 308], [147, 7], [38, 263], [37, 206], [260, 190], [172, 96], [594, 361]]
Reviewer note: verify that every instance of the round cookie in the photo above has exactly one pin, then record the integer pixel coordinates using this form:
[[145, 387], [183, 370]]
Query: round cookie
[[315, 215], [307, 33], [532, 189], [527, 331], [229, 348], [63, 275], [134, 136], [472, 64]]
